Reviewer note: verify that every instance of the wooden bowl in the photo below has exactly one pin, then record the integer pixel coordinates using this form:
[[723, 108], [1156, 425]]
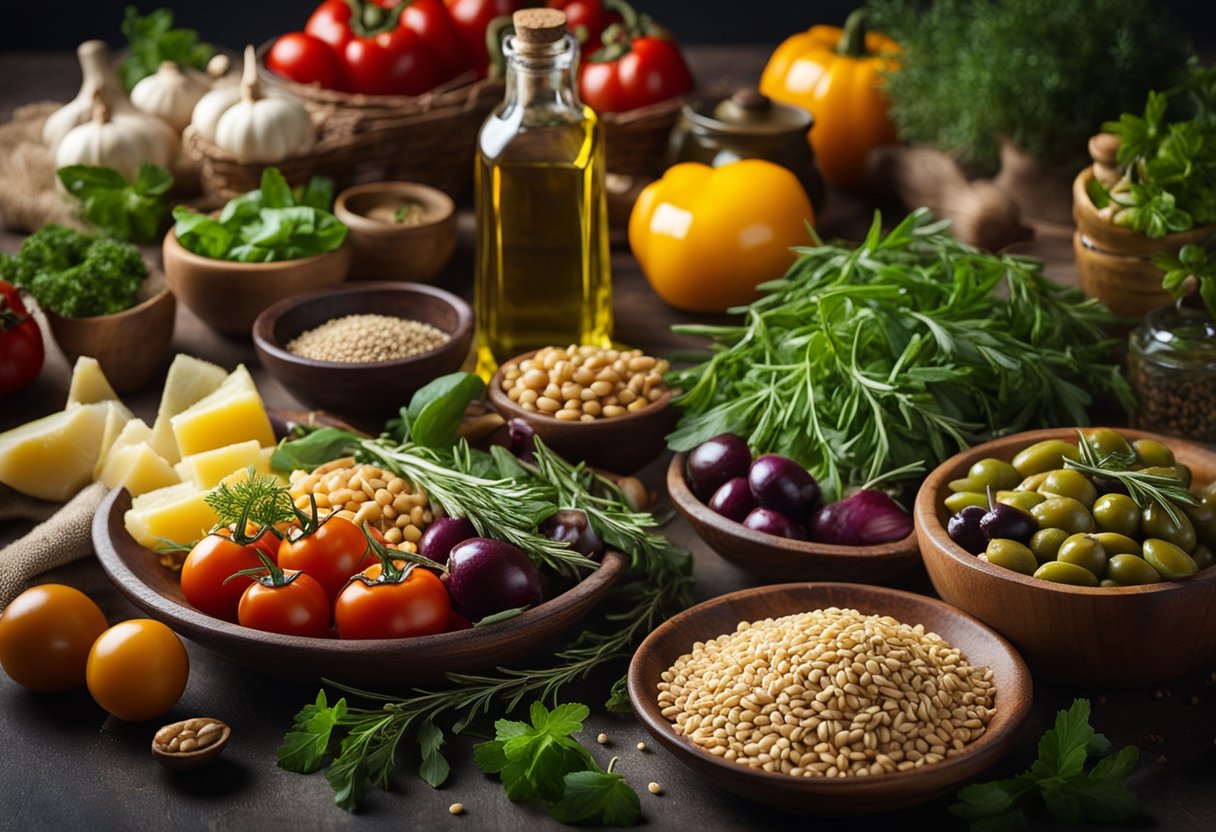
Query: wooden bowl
[[1086, 636], [622, 444], [228, 296], [377, 388], [821, 795], [388, 250], [130, 345], [375, 663], [782, 559]]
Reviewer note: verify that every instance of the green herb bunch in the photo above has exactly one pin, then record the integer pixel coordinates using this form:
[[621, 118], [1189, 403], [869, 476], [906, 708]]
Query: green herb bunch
[[1042, 73], [151, 39], [127, 211], [861, 361]]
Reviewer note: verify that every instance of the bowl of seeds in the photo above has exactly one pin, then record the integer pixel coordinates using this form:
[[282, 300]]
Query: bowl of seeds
[[832, 699], [609, 408], [363, 349]]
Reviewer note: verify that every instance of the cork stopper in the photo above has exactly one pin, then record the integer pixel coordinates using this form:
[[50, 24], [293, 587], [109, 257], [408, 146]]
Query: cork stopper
[[539, 26]]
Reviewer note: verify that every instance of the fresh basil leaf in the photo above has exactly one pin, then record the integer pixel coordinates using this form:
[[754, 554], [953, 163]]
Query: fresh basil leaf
[[318, 193], [499, 616], [435, 411], [1099, 195], [597, 797], [200, 234], [276, 193], [84, 180], [434, 768], [153, 180], [313, 449], [242, 209]]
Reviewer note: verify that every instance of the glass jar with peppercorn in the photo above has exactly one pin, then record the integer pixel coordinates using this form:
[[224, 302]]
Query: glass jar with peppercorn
[[1172, 359]]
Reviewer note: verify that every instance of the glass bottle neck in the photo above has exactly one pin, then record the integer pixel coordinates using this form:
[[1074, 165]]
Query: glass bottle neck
[[542, 75]]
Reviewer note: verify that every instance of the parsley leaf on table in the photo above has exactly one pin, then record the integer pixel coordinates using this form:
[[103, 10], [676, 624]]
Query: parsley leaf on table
[[307, 743], [597, 797]]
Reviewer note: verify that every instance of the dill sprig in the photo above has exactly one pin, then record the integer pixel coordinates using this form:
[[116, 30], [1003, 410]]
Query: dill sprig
[[260, 499], [1144, 488]]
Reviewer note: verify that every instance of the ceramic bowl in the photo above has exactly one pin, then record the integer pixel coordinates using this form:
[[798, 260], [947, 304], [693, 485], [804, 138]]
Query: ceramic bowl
[[372, 663], [386, 248], [781, 559], [622, 444], [845, 795], [1093, 637], [372, 389], [228, 296], [130, 345]]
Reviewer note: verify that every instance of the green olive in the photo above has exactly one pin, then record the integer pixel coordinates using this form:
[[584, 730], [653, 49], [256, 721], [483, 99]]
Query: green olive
[[1046, 543], [1168, 559], [1129, 570], [1107, 583], [1117, 513], [1044, 456], [1184, 474], [1173, 472], [1085, 550], [1152, 453], [1203, 518], [994, 472], [1119, 544], [1059, 572], [1011, 555], [1032, 482], [1203, 557], [961, 499], [1063, 513], [1107, 442], [1025, 500], [965, 484], [1064, 483], [1158, 523]]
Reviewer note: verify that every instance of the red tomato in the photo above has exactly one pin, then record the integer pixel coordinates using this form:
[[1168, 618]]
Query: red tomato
[[472, 19], [429, 19], [418, 605], [213, 560], [306, 60], [377, 55], [330, 555], [296, 607], [653, 70], [586, 19], [21, 351], [330, 22]]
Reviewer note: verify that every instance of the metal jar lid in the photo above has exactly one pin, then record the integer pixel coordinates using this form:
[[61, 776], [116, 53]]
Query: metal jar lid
[[747, 112]]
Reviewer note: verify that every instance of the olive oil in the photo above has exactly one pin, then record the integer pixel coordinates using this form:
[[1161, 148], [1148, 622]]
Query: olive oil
[[543, 271]]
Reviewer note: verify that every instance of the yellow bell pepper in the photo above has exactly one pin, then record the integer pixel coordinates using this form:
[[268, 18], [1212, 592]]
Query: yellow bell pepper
[[706, 237], [836, 74]]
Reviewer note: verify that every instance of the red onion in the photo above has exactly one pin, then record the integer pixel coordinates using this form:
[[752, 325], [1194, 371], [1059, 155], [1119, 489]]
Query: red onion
[[862, 519]]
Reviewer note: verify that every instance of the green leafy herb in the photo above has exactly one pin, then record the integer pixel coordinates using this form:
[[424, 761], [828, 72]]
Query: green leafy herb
[[1069, 791], [151, 39], [1192, 269], [308, 742], [76, 275], [1143, 487], [861, 361], [434, 412], [599, 798], [258, 499], [127, 211], [269, 224]]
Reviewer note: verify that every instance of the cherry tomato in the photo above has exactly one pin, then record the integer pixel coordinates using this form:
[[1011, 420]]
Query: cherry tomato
[[137, 670], [212, 561], [306, 60], [21, 351], [651, 71], [330, 555], [418, 605], [587, 19], [297, 607], [45, 636], [430, 20], [472, 18], [392, 61]]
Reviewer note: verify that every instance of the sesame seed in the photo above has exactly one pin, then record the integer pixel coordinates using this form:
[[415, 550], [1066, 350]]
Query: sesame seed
[[363, 339]]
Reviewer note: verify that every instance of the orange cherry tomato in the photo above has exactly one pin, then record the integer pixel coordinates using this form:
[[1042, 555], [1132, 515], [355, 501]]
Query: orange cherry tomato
[[417, 605], [330, 555], [212, 561], [137, 670], [296, 607], [45, 636]]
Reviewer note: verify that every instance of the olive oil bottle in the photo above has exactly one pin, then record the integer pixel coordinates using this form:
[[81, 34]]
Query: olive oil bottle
[[543, 271]]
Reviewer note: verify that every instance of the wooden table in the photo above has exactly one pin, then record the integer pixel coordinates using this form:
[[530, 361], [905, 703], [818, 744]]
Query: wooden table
[[65, 764]]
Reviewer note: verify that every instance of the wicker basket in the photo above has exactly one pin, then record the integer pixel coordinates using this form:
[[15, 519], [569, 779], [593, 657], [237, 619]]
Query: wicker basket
[[635, 146], [428, 138]]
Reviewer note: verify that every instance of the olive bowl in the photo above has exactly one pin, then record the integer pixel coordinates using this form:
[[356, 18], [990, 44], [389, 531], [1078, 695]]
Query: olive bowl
[[1089, 636], [781, 559]]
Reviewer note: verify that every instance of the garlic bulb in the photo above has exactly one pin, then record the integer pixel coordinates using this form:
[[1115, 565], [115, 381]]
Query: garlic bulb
[[169, 94], [211, 107], [98, 76], [256, 128], [121, 141]]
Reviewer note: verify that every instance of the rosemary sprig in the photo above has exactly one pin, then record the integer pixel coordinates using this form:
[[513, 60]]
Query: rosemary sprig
[[1144, 488]]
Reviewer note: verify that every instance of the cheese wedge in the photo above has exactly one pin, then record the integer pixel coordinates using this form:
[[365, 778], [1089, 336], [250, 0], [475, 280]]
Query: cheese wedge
[[233, 413], [52, 458], [261, 467], [175, 513], [189, 381], [89, 384], [206, 469], [117, 419], [139, 469]]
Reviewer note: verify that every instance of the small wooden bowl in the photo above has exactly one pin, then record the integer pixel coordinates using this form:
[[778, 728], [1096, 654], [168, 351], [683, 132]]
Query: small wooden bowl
[[228, 296], [622, 444], [377, 388], [822, 795], [1088, 636], [782, 559], [387, 250], [374, 663], [130, 345]]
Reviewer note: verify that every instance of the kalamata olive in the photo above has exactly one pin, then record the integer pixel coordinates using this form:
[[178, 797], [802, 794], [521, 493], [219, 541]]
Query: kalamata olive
[[733, 499], [774, 522], [486, 576], [964, 529], [715, 461], [442, 536], [519, 439], [570, 525], [1009, 523], [779, 483]]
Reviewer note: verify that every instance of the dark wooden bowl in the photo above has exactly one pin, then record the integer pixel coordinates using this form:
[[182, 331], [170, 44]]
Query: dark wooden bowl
[[388, 250], [1093, 637], [622, 444], [378, 388], [821, 795], [375, 663], [780, 558]]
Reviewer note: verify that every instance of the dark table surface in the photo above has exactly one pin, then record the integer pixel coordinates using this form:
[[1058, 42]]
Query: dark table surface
[[65, 764]]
